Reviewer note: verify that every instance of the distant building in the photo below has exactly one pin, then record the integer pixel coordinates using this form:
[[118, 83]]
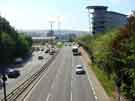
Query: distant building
[[50, 33], [103, 20], [43, 40], [66, 37]]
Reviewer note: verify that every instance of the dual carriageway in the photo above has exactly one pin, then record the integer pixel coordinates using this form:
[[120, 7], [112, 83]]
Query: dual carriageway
[[59, 82]]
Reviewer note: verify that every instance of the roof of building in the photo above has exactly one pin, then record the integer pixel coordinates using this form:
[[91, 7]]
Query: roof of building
[[112, 12], [96, 7], [43, 38]]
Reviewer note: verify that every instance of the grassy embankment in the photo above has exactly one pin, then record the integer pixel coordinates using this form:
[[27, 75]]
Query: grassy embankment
[[97, 50]]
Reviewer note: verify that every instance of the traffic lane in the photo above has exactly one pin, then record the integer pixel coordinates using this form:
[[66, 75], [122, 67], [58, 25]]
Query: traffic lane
[[26, 71], [81, 89], [29, 69], [41, 90], [61, 86]]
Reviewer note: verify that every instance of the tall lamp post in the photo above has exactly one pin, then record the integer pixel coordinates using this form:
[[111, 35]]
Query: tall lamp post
[[4, 78], [4, 70], [51, 25], [51, 30]]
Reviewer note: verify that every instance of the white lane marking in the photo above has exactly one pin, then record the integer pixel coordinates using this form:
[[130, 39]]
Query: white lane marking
[[48, 97], [58, 73], [93, 90], [71, 95], [96, 98], [72, 78], [90, 81], [56, 77]]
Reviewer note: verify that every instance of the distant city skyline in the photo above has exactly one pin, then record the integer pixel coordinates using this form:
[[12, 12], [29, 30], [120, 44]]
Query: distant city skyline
[[35, 14]]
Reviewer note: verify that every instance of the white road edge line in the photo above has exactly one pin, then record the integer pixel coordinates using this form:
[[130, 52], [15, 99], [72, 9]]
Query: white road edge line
[[71, 96], [48, 97], [71, 93], [93, 90]]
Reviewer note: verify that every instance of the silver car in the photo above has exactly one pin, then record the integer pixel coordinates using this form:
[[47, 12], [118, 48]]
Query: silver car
[[80, 69]]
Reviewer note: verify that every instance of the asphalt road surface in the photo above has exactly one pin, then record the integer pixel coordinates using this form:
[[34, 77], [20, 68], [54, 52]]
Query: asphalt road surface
[[60, 83], [29, 68]]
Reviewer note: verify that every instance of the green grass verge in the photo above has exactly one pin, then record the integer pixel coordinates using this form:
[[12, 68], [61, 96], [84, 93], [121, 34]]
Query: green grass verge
[[108, 84]]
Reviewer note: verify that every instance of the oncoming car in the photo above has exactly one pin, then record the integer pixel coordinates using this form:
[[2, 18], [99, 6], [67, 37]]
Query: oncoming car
[[40, 57], [12, 73]]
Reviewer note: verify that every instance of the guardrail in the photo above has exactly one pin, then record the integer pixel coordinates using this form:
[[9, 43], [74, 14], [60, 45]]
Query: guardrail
[[13, 95]]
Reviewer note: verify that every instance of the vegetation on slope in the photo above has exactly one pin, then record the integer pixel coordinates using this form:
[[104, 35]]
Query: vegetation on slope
[[113, 52]]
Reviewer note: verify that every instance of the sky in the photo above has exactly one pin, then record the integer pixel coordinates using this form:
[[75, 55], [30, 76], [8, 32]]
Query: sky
[[72, 15]]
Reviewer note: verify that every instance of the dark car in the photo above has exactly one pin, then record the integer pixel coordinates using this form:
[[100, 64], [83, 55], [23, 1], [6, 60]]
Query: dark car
[[51, 53], [47, 50], [42, 49], [18, 61], [12, 73], [40, 57], [37, 49]]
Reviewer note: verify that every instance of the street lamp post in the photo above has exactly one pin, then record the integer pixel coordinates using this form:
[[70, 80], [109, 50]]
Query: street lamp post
[[4, 78], [51, 31], [51, 25]]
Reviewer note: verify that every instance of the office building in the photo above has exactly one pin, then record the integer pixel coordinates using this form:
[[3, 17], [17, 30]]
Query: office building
[[103, 20]]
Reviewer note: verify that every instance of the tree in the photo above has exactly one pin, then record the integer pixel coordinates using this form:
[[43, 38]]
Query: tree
[[7, 45], [12, 43], [23, 45], [123, 49]]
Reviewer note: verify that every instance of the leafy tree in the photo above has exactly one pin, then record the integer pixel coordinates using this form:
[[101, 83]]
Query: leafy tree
[[12, 43], [7, 45], [124, 51], [23, 45], [114, 53]]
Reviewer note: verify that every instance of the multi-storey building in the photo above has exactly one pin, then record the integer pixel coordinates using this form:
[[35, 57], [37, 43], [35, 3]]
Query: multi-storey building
[[103, 20]]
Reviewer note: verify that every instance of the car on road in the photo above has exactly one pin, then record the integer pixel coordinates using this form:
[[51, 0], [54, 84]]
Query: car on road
[[80, 69], [79, 66], [52, 51], [37, 49], [12, 73], [18, 61], [76, 51], [47, 50], [40, 57], [42, 49]]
